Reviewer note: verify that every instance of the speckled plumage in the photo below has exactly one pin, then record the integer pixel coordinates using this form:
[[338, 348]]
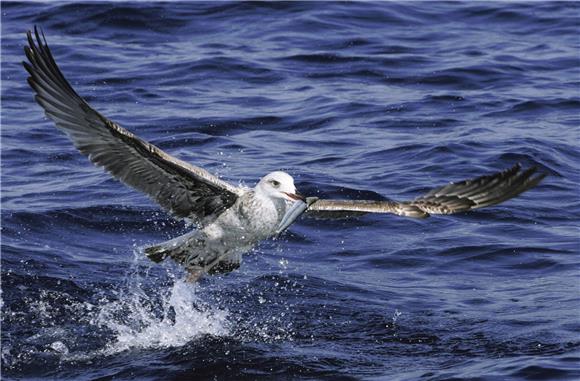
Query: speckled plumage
[[230, 219], [218, 246]]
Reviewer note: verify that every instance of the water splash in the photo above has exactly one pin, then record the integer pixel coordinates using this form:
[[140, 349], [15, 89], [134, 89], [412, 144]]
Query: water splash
[[171, 319], [143, 313], [184, 317]]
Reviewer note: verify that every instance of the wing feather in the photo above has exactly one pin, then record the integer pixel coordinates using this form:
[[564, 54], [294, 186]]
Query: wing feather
[[334, 209], [451, 198], [185, 190]]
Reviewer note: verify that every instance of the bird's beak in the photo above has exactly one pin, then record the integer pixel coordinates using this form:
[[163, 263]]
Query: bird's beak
[[294, 196]]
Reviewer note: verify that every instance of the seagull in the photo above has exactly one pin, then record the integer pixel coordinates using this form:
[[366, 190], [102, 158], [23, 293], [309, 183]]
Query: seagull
[[229, 220]]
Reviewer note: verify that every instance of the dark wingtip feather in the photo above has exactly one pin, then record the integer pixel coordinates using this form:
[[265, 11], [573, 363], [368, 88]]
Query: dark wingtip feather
[[480, 192], [533, 181]]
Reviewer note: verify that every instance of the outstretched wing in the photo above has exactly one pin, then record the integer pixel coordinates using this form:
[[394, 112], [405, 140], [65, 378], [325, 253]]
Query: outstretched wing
[[184, 190], [452, 198]]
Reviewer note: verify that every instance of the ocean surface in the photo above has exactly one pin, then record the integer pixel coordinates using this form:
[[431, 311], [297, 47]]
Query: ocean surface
[[355, 100]]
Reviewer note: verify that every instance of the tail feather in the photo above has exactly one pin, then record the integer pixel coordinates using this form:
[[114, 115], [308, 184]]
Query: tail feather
[[156, 253], [191, 251], [177, 248]]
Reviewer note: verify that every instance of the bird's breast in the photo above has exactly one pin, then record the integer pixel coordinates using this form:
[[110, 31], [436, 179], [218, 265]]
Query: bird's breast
[[260, 216]]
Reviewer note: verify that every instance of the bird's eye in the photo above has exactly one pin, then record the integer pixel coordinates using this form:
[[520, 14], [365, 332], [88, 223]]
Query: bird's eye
[[275, 183]]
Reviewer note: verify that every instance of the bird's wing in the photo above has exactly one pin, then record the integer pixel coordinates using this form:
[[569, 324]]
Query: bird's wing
[[184, 190], [452, 198]]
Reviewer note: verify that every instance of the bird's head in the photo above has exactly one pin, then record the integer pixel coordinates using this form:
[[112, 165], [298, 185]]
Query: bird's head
[[279, 185]]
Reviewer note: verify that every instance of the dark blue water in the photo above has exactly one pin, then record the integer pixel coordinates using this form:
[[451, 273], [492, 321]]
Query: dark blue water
[[355, 100]]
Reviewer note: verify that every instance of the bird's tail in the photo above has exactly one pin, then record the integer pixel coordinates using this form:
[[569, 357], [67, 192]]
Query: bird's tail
[[177, 248], [156, 253], [192, 251]]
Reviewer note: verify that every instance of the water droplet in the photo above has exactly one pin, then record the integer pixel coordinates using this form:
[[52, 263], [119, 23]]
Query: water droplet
[[59, 346]]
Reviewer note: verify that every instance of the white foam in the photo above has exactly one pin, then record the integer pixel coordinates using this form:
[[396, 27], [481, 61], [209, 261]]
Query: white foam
[[182, 318]]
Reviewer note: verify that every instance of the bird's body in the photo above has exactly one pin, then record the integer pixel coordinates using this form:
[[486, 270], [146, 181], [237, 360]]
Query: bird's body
[[230, 220], [254, 217]]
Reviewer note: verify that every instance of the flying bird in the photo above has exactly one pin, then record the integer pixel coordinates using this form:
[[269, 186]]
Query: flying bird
[[229, 219]]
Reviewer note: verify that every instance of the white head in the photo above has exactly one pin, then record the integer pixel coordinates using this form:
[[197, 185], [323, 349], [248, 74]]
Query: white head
[[278, 185]]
